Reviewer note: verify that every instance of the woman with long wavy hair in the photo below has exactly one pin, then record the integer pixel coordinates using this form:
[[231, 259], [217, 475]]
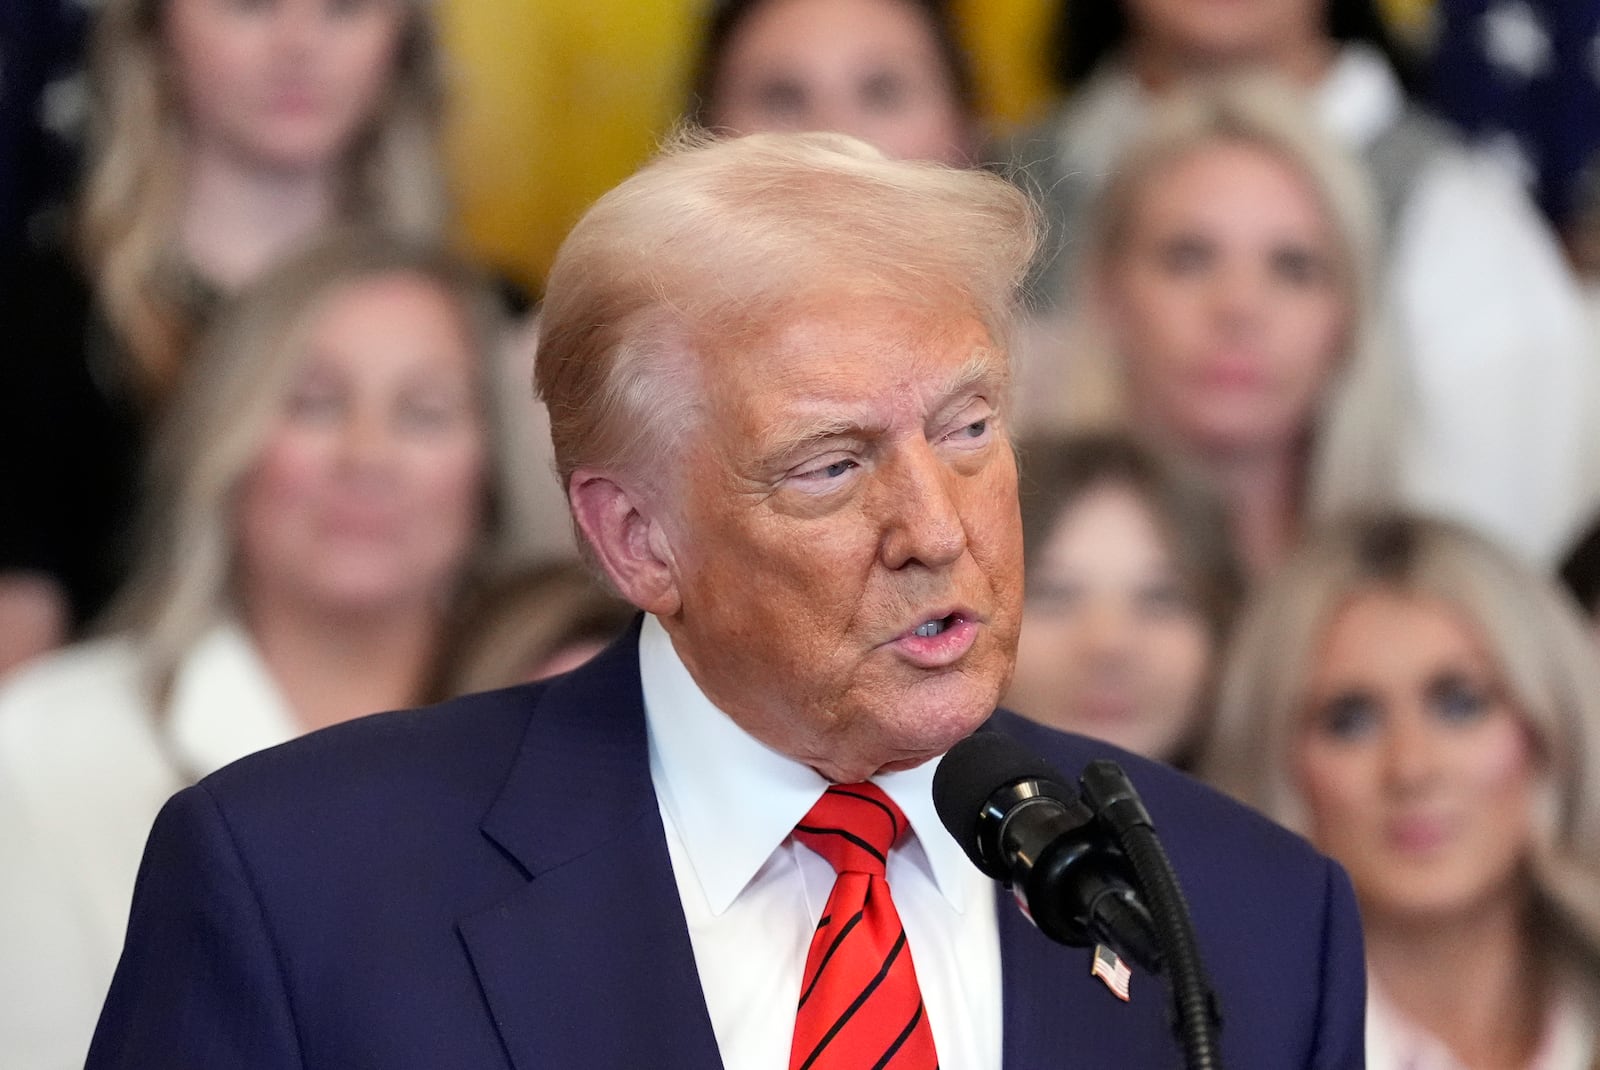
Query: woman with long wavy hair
[[222, 137], [1489, 323], [1228, 311], [326, 497], [1426, 709]]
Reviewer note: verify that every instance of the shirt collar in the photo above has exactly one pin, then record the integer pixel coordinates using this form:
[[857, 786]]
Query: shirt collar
[[734, 800]]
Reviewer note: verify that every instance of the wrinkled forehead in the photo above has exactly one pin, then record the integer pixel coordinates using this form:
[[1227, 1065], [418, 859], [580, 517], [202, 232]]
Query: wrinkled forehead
[[857, 362], [879, 336], [885, 330]]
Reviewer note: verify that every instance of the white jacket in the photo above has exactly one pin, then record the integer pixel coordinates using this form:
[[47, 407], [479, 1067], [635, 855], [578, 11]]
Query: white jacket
[[83, 772]]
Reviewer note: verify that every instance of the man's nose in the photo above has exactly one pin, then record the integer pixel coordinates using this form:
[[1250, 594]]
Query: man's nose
[[922, 521]]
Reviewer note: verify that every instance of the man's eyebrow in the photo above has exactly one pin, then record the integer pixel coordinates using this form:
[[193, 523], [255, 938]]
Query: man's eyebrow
[[984, 373], [818, 429]]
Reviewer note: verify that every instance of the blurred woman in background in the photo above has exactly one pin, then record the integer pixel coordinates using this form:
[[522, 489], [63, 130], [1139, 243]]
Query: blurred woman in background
[[1488, 318], [324, 492], [222, 136], [890, 72], [1427, 711], [1227, 312], [1131, 586]]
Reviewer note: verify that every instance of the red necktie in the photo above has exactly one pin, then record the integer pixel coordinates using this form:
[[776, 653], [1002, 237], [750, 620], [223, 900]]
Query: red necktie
[[860, 1007]]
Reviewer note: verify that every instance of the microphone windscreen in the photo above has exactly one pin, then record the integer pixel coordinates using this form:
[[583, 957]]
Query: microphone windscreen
[[971, 773]]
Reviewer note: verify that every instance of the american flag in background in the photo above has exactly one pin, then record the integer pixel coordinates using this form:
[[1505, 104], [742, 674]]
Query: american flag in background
[[1523, 78], [1109, 967]]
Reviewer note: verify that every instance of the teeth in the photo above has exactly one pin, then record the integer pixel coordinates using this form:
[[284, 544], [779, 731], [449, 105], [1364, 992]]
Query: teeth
[[930, 629]]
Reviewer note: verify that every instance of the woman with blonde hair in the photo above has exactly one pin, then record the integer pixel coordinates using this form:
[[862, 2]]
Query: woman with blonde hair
[[1227, 311], [1427, 711], [222, 136], [325, 492], [1489, 321]]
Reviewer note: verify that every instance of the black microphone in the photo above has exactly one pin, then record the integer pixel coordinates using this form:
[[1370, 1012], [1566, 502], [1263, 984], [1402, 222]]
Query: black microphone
[[1021, 825]]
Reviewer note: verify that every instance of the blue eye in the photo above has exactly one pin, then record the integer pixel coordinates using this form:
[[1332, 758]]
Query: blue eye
[[821, 476], [1299, 267], [1350, 716], [884, 91], [1456, 699], [971, 432]]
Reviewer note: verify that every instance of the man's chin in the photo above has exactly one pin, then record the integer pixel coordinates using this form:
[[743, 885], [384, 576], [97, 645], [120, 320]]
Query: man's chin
[[908, 763], [899, 744], [941, 727]]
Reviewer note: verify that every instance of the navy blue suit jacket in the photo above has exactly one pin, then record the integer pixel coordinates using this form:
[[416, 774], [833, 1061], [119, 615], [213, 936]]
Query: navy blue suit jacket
[[486, 884]]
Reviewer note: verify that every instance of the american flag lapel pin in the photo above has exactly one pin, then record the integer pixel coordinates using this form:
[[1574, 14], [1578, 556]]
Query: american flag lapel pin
[[1109, 967]]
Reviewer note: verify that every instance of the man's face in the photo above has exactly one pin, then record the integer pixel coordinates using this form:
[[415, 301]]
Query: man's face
[[846, 542]]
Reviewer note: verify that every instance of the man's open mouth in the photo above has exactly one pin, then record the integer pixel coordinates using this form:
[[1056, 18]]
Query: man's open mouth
[[931, 628]]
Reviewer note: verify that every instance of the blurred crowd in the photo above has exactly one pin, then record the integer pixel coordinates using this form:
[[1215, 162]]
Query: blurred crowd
[[1310, 482]]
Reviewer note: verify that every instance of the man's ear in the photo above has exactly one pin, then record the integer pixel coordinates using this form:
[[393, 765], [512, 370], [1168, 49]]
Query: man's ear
[[628, 539]]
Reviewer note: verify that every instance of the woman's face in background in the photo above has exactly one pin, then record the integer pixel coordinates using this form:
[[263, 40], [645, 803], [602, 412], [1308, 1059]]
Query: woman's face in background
[[282, 84], [1112, 644], [869, 68], [1226, 300], [368, 492], [1416, 769]]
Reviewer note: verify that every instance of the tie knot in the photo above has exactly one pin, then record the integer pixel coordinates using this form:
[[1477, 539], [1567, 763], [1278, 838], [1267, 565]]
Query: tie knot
[[853, 826]]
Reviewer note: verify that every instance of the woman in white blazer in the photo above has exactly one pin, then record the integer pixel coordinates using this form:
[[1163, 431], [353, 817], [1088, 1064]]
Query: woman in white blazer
[[324, 492]]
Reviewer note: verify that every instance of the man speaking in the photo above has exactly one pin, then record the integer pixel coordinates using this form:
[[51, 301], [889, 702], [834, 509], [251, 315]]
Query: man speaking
[[777, 376]]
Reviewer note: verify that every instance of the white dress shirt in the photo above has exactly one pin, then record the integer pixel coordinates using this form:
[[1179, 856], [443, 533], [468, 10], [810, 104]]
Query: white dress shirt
[[752, 895], [83, 772]]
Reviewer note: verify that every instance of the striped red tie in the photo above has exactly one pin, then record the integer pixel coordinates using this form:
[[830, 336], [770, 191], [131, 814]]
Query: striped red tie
[[860, 1007]]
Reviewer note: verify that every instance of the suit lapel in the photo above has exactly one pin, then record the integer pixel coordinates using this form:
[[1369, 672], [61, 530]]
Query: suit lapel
[[590, 962], [1056, 1014]]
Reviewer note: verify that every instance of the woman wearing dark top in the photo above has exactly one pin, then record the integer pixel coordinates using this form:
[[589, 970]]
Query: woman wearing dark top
[[222, 137]]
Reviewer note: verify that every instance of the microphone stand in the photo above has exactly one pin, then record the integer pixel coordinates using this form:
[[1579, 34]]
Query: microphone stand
[[1195, 1021]]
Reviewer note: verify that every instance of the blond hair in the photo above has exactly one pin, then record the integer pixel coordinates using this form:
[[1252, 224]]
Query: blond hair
[[131, 196], [224, 410], [717, 239], [1353, 443], [1532, 632]]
